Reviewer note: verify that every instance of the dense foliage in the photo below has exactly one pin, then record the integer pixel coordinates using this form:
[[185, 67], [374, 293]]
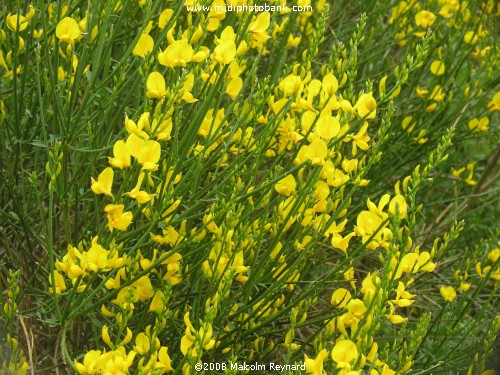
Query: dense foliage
[[312, 186]]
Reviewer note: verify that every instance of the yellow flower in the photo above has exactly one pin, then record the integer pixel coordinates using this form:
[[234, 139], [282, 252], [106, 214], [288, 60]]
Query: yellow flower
[[479, 125], [121, 155], [218, 12], [156, 86], [366, 106], [288, 342], [493, 255], [315, 366], [421, 92], [470, 168], [210, 126], [15, 22], [403, 297], [60, 74], [360, 139], [330, 84], [144, 45], [96, 258], [286, 186], [317, 151], [398, 206], [356, 308], [468, 180], [209, 222], [202, 337], [144, 123], [67, 30], [116, 218], [187, 341], [170, 235], [173, 274], [224, 53], [134, 144], [60, 285], [396, 319], [238, 265], [164, 361], [144, 288], [133, 128], [290, 85], [116, 362], [367, 223], [126, 298], [408, 263], [139, 195], [437, 67], [313, 89], [234, 87], [327, 127], [369, 287], [162, 129], [343, 353], [149, 154], [259, 27], [105, 336], [179, 53], [480, 54], [340, 298], [165, 16], [322, 190], [408, 123], [437, 94], [341, 243], [142, 344], [457, 172], [424, 19], [424, 262], [334, 176], [464, 286], [157, 304], [187, 96], [448, 293], [470, 37], [89, 365], [104, 182], [494, 105]]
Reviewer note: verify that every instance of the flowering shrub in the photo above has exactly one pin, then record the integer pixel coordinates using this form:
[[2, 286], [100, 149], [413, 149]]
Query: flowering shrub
[[314, 189]]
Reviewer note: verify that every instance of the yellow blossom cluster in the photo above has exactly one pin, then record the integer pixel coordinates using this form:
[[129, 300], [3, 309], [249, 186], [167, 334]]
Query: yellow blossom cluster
[[234, 186]]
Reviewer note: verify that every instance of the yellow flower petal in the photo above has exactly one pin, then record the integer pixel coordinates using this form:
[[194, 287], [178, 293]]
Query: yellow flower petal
[[327, 127], [286, 186], [149, 155], [104, 182], [344, 352], [144, 45], [156, 86], [67, 30], [437, 67]]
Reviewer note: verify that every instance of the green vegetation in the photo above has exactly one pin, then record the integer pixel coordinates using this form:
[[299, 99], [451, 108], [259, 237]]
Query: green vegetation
[[314, 189]]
